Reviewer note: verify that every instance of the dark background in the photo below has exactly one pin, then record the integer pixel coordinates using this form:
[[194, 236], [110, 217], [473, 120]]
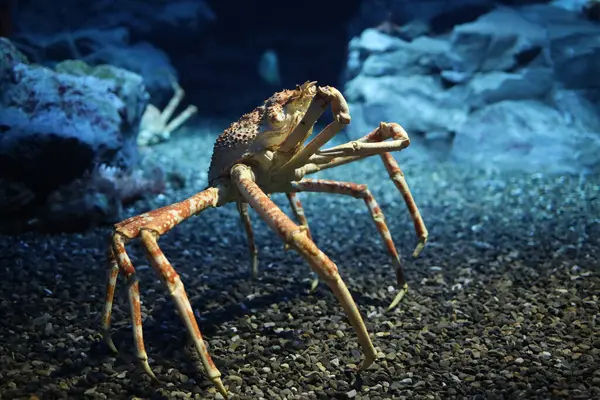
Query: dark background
[[310, 38], [217, 61]]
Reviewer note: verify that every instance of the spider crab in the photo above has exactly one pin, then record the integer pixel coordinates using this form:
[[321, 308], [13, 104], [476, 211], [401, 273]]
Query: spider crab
[[156, 126], [263, 153]]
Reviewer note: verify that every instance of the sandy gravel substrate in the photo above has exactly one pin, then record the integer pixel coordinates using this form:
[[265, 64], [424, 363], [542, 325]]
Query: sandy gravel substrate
[[503, 302]]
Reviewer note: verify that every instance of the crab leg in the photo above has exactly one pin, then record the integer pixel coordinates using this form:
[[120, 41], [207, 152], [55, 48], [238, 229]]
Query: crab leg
[[169, 110], [400, 140], [341, 114], [245, 218], [149, 226], [113, 274], [298, 211], [355, 150], [118, 255], [397, 176], [178, 95], [173, 282], [364, 149], [399, 180], [319, 140], [373, 143], [292, 234], [181, 118], [362, 192], [304, 128]]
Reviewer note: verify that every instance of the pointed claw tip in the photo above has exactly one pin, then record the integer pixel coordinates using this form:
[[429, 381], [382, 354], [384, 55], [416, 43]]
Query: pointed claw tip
[[220, 387], [369, 359], [148, 371], [419, 248], [398, 298], [394, 303], [313, 285], [255, 266], [109, 342]]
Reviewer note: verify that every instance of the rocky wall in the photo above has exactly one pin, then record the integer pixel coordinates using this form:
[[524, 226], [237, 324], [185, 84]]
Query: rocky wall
[[518, 87]]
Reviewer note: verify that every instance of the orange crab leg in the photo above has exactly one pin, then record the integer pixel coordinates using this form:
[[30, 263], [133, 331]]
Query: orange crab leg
[[149, 226], [113, 274], [397, 176], [362, 192], [120, 257], [341, 117], [245, 218], [296, 237], [400, 140], [372, 143], [325, 95], [173, 282], [298, 211], [161, 220]]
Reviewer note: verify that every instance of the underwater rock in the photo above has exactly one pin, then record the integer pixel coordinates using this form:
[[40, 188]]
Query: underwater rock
[[34, 18], [495, 42], [127, 86], [375, 53], [575, 54], [145, 59], [526, 135], [58, 124], [440, 15], [572, 46], [582, 107], [375, 41], [592, 10], [96, 198], [571, 5], [417, 102], [396, 80], [457, 87], [495, 86], [110, 32]]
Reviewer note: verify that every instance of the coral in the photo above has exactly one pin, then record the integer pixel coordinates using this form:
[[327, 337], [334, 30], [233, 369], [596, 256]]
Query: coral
[[56, 124]]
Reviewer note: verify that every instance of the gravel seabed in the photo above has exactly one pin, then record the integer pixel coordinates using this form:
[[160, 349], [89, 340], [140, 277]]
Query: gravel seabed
[[503, 301]]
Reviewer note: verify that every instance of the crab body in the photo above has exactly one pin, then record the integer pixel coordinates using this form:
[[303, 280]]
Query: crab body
[[255, 137], [265, 152]]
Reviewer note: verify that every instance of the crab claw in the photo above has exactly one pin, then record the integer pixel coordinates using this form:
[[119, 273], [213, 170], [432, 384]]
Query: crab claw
[[339, 106]]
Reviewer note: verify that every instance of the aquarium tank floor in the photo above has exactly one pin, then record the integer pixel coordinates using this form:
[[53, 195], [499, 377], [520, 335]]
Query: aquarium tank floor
[[503, 301]]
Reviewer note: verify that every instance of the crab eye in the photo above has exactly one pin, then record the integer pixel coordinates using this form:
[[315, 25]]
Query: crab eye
[[276, 114]]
